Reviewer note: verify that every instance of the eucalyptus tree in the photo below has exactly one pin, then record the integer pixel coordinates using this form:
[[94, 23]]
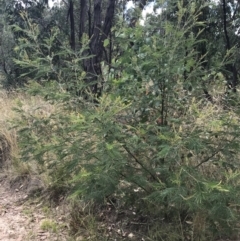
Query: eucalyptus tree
[[94, 20], [230, 25]]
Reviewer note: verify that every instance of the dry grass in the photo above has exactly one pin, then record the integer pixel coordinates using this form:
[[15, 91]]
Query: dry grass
[[206, 117], [8, 136], [9, 150]]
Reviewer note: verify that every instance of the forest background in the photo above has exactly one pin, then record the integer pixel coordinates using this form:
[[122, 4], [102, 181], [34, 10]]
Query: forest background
[[137, 117]]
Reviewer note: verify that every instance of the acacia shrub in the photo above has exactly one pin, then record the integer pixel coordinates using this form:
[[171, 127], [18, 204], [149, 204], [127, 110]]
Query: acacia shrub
[[152, 143]]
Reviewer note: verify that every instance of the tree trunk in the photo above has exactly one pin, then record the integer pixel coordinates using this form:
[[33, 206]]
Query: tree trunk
[[231, 67], [72, 34], [100, 33], [83, 16]]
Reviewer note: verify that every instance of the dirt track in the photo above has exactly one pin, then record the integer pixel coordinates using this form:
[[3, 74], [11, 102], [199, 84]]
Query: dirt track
[[13, 224], [22, 222]]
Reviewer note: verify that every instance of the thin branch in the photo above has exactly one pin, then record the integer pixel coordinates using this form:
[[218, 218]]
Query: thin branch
[[208, 158], [132, 155], [144, 189]]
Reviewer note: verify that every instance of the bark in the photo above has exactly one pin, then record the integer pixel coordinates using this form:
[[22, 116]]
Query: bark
[[231, 67], [83, 16], [90, 19], [72, 28], [108, 19], [100, 33], [94, 43]]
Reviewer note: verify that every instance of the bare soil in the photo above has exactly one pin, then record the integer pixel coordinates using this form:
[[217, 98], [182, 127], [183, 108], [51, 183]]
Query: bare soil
[[23, 219]]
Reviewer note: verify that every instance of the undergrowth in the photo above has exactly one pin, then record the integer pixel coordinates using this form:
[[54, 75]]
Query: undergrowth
[[153, 157]]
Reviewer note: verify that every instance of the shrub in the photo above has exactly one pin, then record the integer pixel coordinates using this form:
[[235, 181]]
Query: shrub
[[153, 142]]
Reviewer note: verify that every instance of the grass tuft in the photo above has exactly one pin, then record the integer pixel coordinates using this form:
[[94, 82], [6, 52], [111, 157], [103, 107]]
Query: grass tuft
[[49, 225]]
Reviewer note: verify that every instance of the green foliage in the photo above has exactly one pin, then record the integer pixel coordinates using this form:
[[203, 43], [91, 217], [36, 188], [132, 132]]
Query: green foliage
[[154, 141], [39, 59], [49, 225]]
